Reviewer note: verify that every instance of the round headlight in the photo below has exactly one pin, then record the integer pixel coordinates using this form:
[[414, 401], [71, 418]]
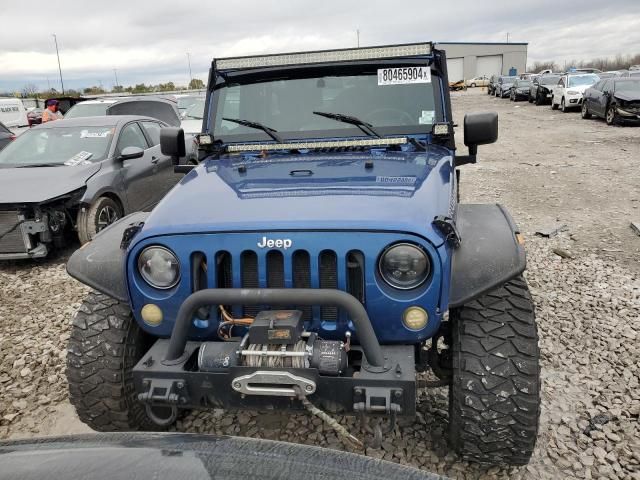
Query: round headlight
[[404, 266], [159, 267]]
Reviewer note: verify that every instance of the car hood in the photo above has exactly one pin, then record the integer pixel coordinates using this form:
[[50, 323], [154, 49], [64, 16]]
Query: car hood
[[628, 97], [39, 184], [168, 456], [400, 191], [580, 88]]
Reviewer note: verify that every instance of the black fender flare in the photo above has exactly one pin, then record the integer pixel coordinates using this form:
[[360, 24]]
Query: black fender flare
[[100, 263], [491, 252]]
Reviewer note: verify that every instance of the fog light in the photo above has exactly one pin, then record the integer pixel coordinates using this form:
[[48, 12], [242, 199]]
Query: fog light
[[151, 315], [415, 318]]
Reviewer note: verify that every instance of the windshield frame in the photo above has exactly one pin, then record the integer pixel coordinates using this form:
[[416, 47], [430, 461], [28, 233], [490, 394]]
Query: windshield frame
[[257, 75]]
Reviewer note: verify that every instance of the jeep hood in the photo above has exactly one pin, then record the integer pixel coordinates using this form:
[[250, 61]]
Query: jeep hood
[[39, 184], [400, 191]]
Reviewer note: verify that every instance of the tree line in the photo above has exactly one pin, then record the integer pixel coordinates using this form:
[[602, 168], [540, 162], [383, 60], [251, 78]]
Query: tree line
[[31, 90], [619, 62]]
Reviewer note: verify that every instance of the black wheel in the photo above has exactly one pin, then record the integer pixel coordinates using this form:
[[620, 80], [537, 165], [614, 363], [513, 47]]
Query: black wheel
[[494, 398], [611, 118], [102, 213], [563, 107], [473, 85], [584, 111], [104, 346], [553, 105]]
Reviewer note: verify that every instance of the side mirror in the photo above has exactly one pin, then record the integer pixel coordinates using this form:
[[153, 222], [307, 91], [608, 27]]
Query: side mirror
[[172, 143], [479, 129], [129, 153]]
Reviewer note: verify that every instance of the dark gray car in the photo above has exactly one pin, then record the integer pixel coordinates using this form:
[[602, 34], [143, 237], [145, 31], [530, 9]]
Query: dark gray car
[[78, 175]]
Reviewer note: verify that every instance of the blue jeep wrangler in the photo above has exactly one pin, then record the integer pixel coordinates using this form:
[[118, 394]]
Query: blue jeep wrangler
[[317, 258]]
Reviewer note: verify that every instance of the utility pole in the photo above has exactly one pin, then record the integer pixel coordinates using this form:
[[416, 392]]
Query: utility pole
[[358, 37], [189, 62], [115, 74], [507, 37], [55, 39], [48, 85]]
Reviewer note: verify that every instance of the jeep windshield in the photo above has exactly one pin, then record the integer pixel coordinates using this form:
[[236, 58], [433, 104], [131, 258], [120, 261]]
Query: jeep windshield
[[292, 104]]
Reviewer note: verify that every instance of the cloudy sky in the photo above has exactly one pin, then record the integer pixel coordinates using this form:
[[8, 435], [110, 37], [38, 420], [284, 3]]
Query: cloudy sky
[[147, 41]]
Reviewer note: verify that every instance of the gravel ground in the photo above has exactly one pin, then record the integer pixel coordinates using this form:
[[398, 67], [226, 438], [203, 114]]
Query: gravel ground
[[548, 168]]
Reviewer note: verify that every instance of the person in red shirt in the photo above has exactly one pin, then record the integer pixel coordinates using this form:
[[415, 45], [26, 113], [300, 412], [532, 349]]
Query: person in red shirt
[[51, 113]]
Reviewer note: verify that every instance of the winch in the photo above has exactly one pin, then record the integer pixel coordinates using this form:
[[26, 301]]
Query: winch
[[276, 339]]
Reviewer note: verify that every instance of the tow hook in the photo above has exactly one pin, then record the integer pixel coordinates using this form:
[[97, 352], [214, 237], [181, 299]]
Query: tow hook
[[377, 400], [161, 399]]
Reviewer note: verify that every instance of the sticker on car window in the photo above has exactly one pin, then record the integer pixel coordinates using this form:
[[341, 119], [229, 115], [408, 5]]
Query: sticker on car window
[[396, 180], [427, 117], [80, 158], [88, 134], [404, 75]]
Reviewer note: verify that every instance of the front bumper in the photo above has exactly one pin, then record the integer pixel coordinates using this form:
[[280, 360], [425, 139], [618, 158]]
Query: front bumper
[[379, 379], [632, 116], [573, 100]]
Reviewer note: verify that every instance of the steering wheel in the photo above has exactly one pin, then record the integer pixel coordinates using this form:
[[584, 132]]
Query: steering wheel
[[401, 114]]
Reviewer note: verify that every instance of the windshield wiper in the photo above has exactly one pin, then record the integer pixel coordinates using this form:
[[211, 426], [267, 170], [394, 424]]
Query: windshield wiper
[[248, 123], [36, 165], [367, 128]]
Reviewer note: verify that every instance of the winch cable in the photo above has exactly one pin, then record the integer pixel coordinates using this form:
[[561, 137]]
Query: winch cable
[[332, 422]]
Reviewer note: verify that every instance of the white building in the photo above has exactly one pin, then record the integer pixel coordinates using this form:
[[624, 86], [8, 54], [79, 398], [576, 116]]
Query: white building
[[467, 60]]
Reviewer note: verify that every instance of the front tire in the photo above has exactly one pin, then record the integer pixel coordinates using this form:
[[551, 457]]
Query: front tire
[[584, 111], [102, 213], [104, 346], [563, 106], [610, 117], [494, 398]]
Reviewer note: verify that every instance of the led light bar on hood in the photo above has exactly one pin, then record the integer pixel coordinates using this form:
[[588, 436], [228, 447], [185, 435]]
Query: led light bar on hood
[[325, 56], [255, 147]]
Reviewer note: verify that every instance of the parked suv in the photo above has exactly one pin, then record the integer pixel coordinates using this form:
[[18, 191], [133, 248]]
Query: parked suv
[[568, 93], [309, 262]]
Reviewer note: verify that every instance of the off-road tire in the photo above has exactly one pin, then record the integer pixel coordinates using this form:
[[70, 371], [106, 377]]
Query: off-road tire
[[494, 398], [104, 346], [584, 111], [89, 218]]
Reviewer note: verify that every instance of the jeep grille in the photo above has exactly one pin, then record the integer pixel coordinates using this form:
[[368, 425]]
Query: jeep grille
[[275, 265]]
